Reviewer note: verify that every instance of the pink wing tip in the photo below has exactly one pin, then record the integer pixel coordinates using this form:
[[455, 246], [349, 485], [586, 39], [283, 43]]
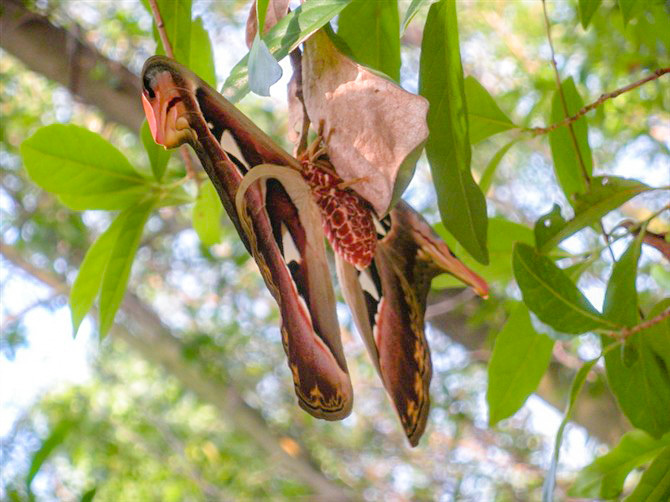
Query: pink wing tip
[[151, 117]]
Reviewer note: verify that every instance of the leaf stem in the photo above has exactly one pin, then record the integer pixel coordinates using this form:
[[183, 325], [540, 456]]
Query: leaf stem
[[562, 96], [573, 137], [12, 318], [161, 28], [536, 131], [629, 331]]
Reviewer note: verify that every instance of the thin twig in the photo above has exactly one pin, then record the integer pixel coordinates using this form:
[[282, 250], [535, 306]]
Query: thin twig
[[536, 131], [607, 239], [627, 332], [566, 112], [161, 28], [21, 313], [448, 304], [564, 103], [188, 162]]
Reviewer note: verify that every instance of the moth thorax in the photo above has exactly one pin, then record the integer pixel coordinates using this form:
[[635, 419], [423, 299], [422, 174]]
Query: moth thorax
[[347, 218]]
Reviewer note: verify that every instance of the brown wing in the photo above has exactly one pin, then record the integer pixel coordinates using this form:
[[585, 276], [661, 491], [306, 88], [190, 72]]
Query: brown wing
[[388, 302], [181, 108]]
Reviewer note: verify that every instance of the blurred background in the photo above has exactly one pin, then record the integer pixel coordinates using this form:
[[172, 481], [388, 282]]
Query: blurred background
[[190, 396]]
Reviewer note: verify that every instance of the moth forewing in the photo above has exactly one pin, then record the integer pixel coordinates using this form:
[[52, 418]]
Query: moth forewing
[[320, 356], [310, 333], [320, 287], [387, 308]]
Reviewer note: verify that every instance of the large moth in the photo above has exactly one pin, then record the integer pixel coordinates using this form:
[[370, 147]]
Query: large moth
[[279, 204]]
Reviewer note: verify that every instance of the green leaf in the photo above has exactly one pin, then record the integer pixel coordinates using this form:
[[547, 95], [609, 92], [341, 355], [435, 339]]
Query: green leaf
[[207, 215], [175, 196], [67, 159], [658, 335], [548, 226], [120, 262], [502, 235], [484, 115], [110, 201], [604, 477], [552, 296], [605, 194], [158, 155], [411, 11], [372, 32], [263, 68], [176, 15], [462, 204], [586, 10], [285, 36], [576, 387], [487, 176], [565, 153], [261, 11], [202, 57], [576, 270], [629, 9], [89, 278], [55, 438], [620, 304], [89, 495], [640, 383], [654, 486], [520, 358], [661, 275]]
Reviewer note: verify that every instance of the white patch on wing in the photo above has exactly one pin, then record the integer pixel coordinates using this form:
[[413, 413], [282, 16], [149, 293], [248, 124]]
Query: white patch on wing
[[376, 330], [231, 147], [381, 230], [290, 250], [367, 284]]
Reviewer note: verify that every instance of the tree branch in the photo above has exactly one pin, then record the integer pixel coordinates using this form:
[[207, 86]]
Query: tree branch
[[110, 86], [564, 103], [160, 26], [566, 112], [158, 345], [630, 331], [536, 131]]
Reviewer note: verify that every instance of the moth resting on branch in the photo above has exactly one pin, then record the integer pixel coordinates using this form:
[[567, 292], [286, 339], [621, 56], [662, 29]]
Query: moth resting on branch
[[280, 205]]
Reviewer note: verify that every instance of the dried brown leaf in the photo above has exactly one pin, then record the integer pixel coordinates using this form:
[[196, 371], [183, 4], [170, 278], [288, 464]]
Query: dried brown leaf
[[374, 129], [277, 9], [298, 123], [295, 112]]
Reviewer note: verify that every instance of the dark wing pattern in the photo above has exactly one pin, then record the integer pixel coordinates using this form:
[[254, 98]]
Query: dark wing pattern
[[180, 109], [388, 302]]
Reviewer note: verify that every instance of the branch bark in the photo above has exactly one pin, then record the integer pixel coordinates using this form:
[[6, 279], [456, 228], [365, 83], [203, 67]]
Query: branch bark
[[97, 80], [157, 344], [603, 97]]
